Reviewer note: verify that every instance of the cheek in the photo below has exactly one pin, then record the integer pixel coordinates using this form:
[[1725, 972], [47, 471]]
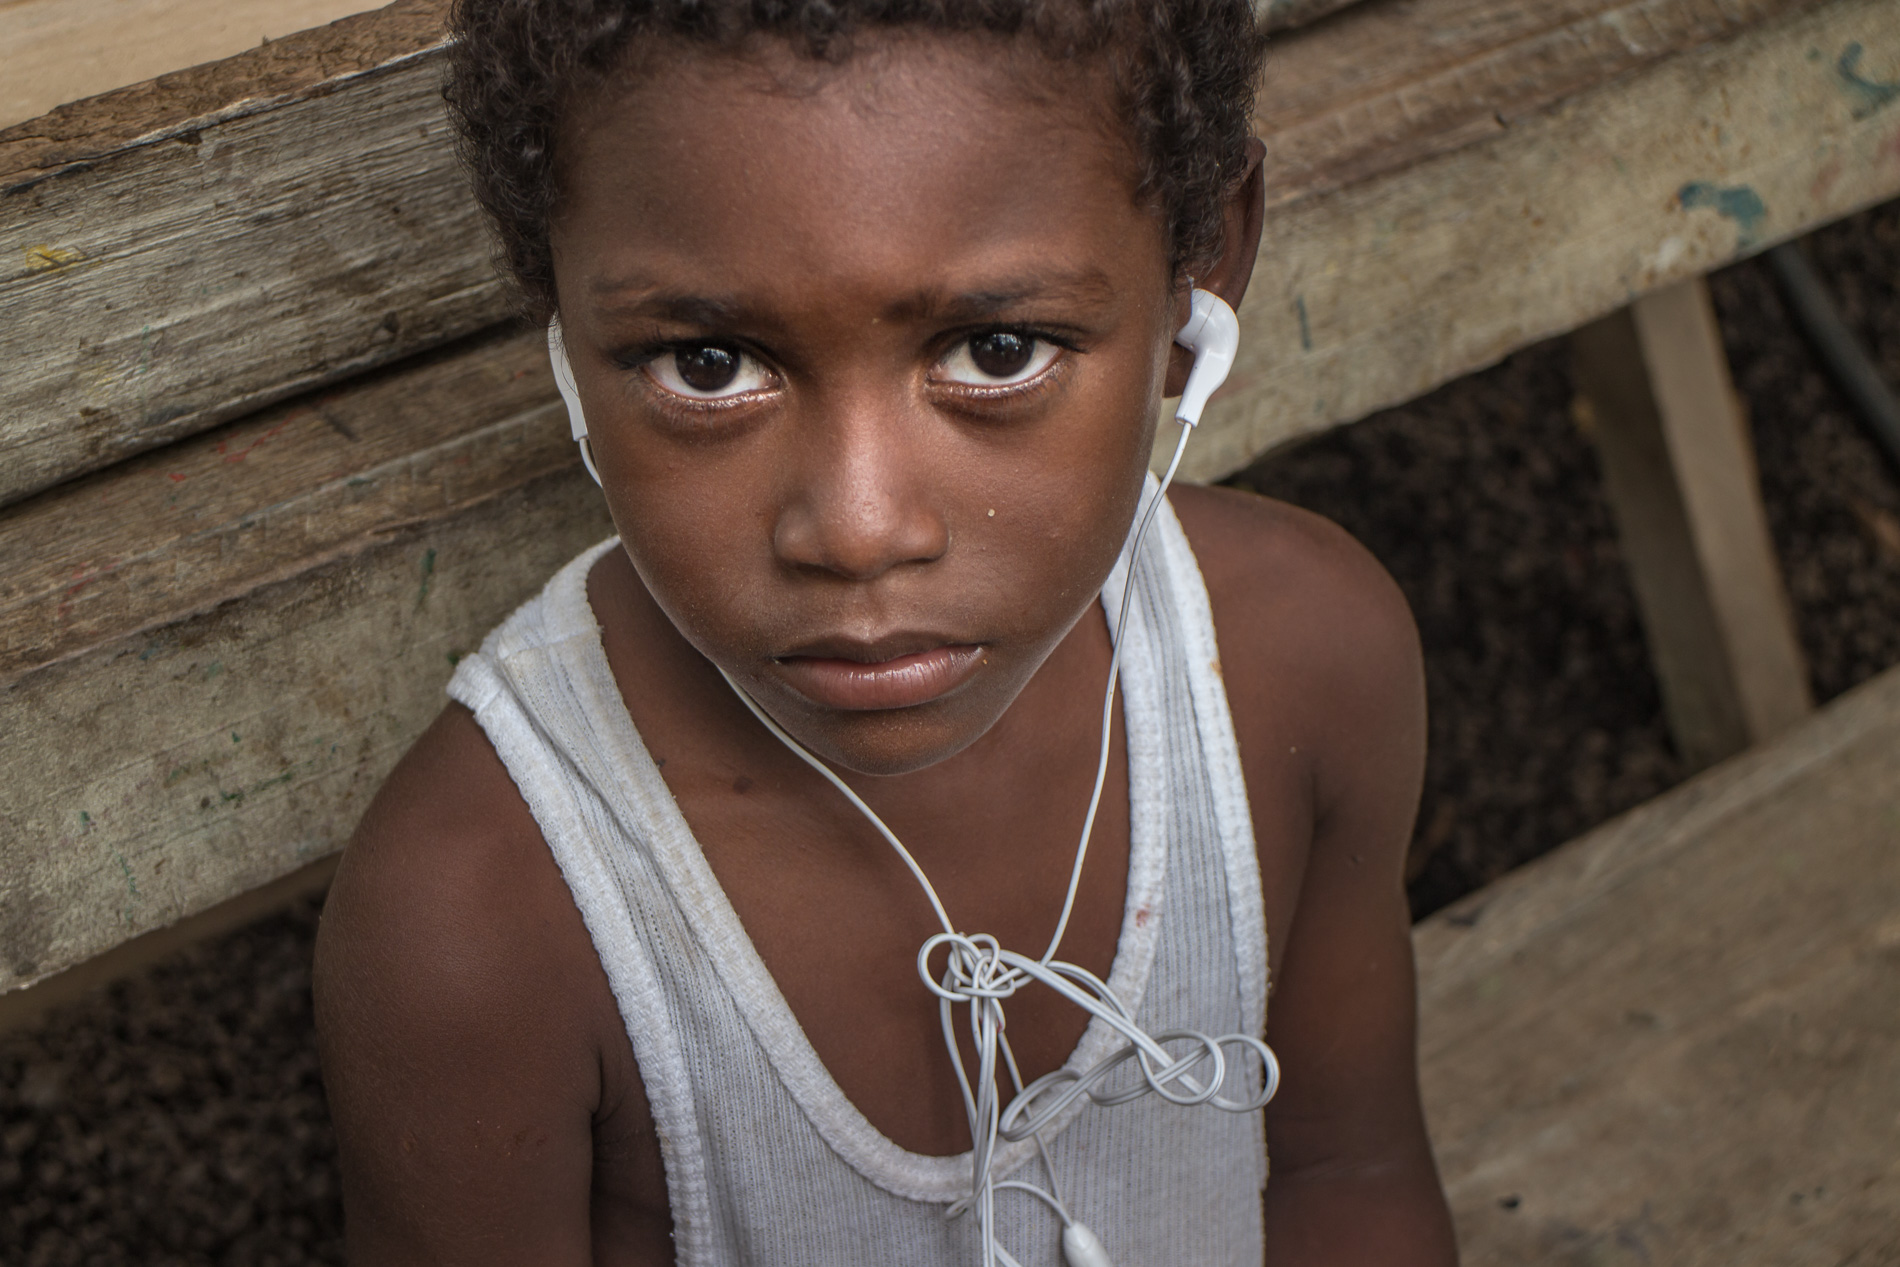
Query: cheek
[[693, 541]]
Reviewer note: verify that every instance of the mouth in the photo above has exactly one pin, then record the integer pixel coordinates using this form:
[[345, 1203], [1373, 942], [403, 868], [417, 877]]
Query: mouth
[[879, 676]]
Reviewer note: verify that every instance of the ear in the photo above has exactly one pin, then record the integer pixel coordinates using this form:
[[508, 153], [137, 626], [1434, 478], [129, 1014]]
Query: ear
[[1232, 269]]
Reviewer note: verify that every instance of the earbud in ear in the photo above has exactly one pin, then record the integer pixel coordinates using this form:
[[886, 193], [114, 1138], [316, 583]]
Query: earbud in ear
[[570, 394], [1212, 333]]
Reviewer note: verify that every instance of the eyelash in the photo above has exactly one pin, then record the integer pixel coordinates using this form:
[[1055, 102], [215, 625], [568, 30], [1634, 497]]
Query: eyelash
[[979, 393], [638, 360]]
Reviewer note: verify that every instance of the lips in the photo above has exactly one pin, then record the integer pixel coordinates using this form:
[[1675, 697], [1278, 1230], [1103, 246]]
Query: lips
[[875, 679]]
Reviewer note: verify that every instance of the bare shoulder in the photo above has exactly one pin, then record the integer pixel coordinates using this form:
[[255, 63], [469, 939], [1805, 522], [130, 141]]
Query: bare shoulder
[[447, 876], [460, 1018], [1326, 686], [1317, 642], [1300, 586]]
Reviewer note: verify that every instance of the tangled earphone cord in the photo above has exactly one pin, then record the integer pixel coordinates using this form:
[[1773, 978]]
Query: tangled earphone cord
[[980, 973]]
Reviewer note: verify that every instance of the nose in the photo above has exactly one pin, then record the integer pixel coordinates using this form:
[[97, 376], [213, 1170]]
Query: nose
[[862, 499]]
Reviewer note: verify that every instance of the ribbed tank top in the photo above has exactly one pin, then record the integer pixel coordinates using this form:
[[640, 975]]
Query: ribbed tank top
[[766, 1160]]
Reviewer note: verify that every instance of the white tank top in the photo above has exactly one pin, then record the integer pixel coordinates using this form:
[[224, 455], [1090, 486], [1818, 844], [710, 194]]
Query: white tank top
[[766, 1160]]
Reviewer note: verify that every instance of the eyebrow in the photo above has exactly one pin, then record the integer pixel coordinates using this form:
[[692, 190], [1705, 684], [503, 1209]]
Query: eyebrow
[[1085, 285], [995, 297], [681, 307]]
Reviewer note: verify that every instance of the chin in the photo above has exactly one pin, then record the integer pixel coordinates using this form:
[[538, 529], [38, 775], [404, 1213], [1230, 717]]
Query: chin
[[890, 742]]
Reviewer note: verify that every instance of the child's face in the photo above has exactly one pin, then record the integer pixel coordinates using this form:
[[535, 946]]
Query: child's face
[[870, 355]]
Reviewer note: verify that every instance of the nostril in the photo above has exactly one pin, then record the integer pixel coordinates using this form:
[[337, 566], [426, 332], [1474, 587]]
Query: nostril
[[862, 539]]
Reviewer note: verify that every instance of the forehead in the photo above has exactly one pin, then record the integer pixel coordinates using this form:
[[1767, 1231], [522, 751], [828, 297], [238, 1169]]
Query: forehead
[[917, 154]]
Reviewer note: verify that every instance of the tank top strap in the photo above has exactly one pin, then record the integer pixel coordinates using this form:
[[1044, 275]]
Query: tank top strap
[[1176, 627], [766, 1161]]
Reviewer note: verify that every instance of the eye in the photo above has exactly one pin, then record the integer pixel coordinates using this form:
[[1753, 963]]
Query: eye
[[707, 371], [997, 358]]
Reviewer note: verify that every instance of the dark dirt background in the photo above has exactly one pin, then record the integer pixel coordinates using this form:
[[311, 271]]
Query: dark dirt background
[[178, 1117]]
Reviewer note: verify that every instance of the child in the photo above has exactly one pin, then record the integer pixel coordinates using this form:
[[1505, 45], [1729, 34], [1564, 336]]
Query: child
[[869, 309]]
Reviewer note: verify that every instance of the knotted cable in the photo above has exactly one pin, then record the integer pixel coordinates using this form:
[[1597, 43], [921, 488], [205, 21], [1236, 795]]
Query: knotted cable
[[980, 974]]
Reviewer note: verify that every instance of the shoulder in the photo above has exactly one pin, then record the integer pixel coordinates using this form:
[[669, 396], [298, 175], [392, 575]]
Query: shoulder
[[1267, 561], [1326, 686], [1309, 624], [463, 1018], [448, 876]]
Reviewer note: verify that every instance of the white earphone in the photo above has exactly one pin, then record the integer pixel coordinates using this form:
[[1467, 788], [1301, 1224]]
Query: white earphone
[[1212, 333], [981, 974]]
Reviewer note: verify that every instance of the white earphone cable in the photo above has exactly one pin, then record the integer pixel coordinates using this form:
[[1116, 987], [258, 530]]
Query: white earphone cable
[[980, 973]]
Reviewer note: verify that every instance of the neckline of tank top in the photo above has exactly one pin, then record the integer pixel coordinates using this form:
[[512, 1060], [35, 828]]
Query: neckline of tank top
[[714, 922]]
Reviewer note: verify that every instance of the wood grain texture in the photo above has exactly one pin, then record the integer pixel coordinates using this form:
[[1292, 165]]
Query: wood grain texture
[[174, 533], [96, 128], [204, 272], [1408, 79], [154, 777], [1679, 466], [1369, 295], [164, 273], [1677, 1040]]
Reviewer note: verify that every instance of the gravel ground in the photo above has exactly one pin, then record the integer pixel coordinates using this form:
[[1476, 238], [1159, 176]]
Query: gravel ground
[[178, 1117]]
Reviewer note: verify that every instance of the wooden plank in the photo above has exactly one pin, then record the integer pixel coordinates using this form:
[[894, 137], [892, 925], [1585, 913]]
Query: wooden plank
[[1680, 470], [1368, 295], [154, 777], [1677, 1040], [169, 286], [206, 653], [179, 531], [55, 51], [1404, 81], [20, 1009], [168, 278]]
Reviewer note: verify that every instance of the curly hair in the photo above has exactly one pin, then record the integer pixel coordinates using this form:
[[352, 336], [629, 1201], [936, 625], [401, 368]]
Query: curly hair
[[1184, 71]]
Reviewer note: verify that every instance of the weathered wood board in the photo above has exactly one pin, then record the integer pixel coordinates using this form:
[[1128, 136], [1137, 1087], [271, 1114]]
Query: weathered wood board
[[1408, 79], [150, 778], [1677, 1040], [1656, 396], [55, 51], [1368, 295], [296, 579], [177, 255], [174, 533], [243, 263]]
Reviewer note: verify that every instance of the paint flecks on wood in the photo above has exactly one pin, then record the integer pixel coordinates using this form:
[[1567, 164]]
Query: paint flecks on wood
[[1369, 295]]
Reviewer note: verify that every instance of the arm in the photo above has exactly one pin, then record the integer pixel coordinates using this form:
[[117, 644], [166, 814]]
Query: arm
[[1326, 684], [458, 1016]]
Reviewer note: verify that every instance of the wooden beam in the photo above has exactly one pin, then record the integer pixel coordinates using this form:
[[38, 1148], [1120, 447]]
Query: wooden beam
[[20, 1009], [177, 532], [1680, 470], [213, 653], [156, 776], [163, 276], [1370, 294], [1398, 83], [201, 271], [55, 51], [1677, 1040]]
